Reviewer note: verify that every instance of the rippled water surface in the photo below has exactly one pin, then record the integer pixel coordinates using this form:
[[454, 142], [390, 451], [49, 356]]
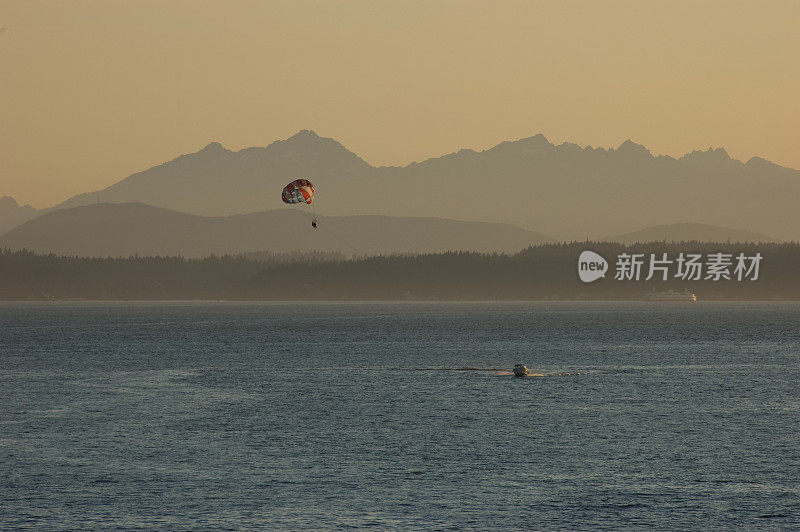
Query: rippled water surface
[[212, 415]]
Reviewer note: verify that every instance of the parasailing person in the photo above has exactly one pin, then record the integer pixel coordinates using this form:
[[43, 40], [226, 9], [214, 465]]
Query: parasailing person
[[298, 192]]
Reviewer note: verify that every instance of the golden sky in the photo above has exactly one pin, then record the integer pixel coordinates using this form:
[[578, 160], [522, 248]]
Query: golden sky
[[92, 91]]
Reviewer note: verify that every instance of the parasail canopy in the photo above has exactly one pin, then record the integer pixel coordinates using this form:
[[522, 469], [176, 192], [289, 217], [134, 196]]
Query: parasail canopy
[[298, 191]]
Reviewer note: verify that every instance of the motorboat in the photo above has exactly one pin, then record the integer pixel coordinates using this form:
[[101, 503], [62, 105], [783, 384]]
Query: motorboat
[[520, 370]]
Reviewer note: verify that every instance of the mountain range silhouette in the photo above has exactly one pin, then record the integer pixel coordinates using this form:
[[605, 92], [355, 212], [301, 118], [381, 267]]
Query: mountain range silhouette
[[564, 191], [125, 229]]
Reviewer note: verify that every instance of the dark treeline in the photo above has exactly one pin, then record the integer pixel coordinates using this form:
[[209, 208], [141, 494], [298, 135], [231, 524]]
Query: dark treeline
[[28, 276], [293, 256], [541, 272]]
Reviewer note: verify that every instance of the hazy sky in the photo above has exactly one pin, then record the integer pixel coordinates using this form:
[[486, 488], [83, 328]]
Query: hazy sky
[[91, 91]]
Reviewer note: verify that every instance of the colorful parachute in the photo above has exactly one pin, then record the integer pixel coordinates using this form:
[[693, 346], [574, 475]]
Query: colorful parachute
[[298, 191]]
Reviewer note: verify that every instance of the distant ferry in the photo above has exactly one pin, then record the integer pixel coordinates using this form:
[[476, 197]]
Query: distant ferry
[[672, 295]]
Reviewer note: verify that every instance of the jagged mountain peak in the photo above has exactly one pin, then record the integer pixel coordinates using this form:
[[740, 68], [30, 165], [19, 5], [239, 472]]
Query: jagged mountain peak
[[12, 213], [711, 155], [537, 139], [305, 134], [306, 138], [213, 147], [760, 162], [536, 142], [211, 150], [7, 202], [307, 144], [630, 147]]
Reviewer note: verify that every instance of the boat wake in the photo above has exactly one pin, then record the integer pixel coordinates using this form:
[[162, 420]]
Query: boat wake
[[502, 371]]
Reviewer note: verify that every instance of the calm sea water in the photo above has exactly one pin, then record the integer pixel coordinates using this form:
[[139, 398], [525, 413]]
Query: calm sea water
[[222, 415]]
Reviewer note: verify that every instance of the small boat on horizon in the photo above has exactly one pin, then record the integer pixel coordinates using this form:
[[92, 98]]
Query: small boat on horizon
[[672, 295], [521, 370]]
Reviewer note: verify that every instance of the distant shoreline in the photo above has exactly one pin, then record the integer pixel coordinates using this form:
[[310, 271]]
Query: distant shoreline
[[544, 273], [405, 301]]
